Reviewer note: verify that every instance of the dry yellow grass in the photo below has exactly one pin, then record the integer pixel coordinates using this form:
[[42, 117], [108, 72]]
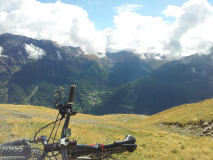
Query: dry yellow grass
[[184, 114], [17, 122]]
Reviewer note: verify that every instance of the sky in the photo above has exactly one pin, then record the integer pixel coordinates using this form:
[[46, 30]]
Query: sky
[[102, 12], [174, 28]]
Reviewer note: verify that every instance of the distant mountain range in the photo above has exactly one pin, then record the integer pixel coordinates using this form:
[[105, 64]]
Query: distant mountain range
[[187, 80], [31, 71]]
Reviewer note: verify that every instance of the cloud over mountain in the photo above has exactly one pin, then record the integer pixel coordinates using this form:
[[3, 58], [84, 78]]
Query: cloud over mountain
[[192, 29], [34, 52], [1, 49], [66, 24], [190, 33]]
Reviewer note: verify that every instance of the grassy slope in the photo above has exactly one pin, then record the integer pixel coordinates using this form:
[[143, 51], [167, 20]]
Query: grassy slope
[[153, 143], [193, 113]]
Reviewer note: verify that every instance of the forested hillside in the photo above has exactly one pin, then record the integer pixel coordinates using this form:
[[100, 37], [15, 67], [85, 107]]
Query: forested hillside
[[174, 83], [27, 79], [31, 72]]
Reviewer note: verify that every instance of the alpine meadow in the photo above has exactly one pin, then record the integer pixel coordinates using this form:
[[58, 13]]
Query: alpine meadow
[[114, 80]]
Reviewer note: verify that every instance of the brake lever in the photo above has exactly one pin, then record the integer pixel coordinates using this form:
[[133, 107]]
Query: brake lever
[[56, 103]]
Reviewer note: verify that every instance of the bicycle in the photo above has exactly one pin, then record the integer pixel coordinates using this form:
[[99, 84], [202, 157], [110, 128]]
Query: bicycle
[[69, 149]]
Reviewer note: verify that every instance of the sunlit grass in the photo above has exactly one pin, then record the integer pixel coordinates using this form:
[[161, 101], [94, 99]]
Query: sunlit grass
[[18, 122], [193, 113]]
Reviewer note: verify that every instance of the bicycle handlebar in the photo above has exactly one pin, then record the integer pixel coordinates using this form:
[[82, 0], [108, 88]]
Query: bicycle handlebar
[[128, 143], [74, 149], [65, 145]]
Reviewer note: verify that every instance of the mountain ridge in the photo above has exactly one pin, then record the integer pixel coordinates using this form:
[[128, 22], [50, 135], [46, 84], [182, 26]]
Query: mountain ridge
[[117, 83]]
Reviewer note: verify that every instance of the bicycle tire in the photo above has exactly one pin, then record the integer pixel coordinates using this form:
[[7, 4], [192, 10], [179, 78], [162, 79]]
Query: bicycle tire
[[13, 158]]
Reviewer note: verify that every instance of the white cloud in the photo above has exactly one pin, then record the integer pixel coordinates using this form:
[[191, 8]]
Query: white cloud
[[66, 24], [136, 33], [59, 55], [1, 50], [190, 33], [173, 11], [34, 52], [192, 29], [83, 33], [127, 8]]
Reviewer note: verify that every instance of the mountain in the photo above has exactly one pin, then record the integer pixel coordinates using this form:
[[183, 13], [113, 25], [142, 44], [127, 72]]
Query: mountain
[[187, 80], [125, 67], [33, 70]]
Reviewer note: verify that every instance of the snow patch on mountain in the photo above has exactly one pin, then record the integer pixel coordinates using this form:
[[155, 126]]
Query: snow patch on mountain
[[152, 56]]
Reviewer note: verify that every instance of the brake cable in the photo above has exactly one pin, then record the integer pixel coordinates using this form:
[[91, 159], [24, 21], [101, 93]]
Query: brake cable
[[53, 128], [45, 127], [56, 131]]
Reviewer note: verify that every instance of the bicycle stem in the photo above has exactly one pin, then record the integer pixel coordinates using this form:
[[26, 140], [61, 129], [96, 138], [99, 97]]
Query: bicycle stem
[[69, 112], [66, 123]]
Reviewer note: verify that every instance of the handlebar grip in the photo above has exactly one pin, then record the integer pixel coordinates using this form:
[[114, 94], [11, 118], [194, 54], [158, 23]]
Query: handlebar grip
[[51, 147], [72, 93]]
